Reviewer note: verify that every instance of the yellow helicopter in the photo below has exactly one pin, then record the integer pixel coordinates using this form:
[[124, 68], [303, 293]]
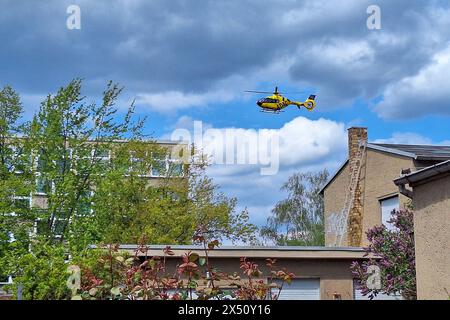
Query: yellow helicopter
[[276, 102]]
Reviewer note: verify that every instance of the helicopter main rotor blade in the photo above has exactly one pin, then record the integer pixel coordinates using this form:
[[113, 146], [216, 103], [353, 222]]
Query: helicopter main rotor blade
[[298, 92], [270, 92]]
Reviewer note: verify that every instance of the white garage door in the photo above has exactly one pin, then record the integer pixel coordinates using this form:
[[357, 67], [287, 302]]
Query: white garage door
[[301, 289]]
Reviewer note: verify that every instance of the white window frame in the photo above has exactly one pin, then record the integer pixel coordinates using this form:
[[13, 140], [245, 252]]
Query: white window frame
[[102, 158], [171, 161], [14, 214], [133, 160], [39, 193], [10, 281], [166, 165], [14, 151], [91, 211], [386, 213], [56, 236]]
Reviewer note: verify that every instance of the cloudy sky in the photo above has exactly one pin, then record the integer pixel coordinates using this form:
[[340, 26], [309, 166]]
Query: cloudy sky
[[191, 60]]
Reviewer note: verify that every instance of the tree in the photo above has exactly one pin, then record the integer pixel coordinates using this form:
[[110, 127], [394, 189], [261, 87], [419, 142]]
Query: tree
[[86, 169], [392, 254], [299, 219], [115, 275], [14, 171], [170, 212]]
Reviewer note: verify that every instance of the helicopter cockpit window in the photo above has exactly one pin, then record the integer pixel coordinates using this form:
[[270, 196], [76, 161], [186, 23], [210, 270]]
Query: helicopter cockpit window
[[267, 100]]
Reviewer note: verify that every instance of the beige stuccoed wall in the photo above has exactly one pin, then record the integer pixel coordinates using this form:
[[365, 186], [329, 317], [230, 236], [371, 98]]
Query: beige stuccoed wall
[[377, 175], [381, 169], [334, 198], [432, 238]]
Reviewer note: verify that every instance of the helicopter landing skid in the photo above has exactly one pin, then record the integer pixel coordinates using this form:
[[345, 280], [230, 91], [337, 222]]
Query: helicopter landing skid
[[271, 111]]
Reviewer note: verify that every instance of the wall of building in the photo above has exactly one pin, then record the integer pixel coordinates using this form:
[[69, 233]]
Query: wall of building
[[381, 169], [334, 275], [377, 174], [334, 198], [432, 238]]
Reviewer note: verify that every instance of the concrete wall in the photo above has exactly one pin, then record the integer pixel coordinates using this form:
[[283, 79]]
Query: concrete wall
[[432, 238]]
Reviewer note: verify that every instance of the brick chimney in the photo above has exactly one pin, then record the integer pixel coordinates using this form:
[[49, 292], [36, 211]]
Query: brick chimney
[[356, 136]]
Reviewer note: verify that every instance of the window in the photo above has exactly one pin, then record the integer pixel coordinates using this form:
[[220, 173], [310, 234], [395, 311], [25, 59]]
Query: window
[[176, 168], [43, 228], [387, 206], [22, 203], [58, 227], [102, 157], [137, 164], [43, 185], [84, 207], [5, 280], [159, 167], [41, 163], [15, 160]]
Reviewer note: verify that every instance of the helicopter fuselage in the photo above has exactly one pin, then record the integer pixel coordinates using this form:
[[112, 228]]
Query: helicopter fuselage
[[277, 102]]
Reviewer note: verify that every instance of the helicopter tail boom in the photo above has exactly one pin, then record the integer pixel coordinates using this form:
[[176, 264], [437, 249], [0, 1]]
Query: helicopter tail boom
[[309, 104]]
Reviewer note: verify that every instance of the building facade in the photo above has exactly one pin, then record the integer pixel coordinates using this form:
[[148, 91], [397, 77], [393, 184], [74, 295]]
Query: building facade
[[429, 189], [321, 273], [375, 195], [167, 163]]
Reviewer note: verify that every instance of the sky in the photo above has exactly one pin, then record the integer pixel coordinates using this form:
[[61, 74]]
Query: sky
[[192, 60]]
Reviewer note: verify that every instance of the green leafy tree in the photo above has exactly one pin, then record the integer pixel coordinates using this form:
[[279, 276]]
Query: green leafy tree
[[392, 252], [69, 142], [299, 219], [14, 179], [170, 212], [86, 170]]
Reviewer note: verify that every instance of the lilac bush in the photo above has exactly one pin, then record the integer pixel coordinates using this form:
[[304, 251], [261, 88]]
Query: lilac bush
[[393, 252]]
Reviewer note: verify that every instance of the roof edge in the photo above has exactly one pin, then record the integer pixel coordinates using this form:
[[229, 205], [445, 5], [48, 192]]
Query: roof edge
[[240, 248], [391, 150], [333, 176], [374, 147], [425, 173]]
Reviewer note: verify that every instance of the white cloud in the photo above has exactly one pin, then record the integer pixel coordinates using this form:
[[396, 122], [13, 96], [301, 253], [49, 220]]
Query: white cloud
[[405, 138], [170, 101], [425, 93], [305, 145], [301, 142]]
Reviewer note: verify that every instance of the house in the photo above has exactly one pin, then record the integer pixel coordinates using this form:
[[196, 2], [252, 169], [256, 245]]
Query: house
[[321, 273], [429, 189], [361, 194]]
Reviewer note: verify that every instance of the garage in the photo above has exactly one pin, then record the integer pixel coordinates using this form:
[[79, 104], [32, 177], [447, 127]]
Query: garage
[[301, 289]]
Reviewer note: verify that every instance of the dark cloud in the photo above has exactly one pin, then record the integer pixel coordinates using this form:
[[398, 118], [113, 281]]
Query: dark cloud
[[191, 46]]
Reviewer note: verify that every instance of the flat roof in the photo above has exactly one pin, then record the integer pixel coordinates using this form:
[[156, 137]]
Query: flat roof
[[280, 252]]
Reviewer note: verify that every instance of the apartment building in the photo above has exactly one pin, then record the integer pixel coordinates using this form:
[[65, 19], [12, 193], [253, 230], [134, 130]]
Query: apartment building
[[167, 163]]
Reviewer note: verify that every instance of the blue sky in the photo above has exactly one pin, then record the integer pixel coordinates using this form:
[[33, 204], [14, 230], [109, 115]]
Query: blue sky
[[186, 61]]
